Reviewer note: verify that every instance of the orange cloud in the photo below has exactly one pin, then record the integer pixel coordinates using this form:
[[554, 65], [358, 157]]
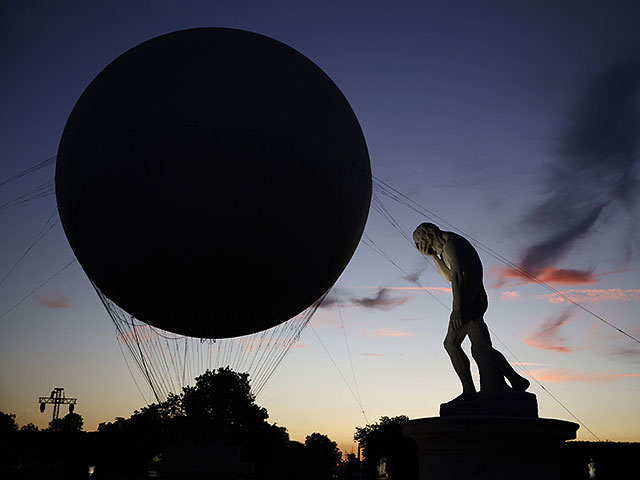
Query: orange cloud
[[388, 332], [594, 295], [547, 275], [510, 295], [547, 336], [568, 375], [57, 301]]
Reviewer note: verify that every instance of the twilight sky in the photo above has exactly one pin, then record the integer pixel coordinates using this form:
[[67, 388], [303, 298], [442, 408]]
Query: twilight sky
[[518, 124]]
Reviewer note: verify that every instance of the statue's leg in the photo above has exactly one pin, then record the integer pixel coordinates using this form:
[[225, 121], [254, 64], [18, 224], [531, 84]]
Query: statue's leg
[[460, 361], [517, 381], [491, 377]]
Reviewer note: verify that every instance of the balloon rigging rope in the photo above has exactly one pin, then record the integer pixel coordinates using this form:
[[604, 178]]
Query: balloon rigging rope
[[51, 222], [338, 369], [37, 166], [45, 189], [162, 358], [353, 371], [37, 288]]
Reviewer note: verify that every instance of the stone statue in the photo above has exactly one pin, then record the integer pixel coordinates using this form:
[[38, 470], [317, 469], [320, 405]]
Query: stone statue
[[459, 263]]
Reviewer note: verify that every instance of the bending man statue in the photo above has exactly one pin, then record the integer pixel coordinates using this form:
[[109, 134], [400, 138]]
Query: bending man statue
[[459, 263]]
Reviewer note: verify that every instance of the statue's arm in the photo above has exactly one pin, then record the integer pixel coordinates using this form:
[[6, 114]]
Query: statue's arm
[[456, 284], [443, 270]]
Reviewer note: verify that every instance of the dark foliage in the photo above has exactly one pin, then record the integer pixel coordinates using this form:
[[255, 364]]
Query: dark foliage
[[324, 454], [218, 409], [70, 423], [7, 423], [384, 439], [349, 468]]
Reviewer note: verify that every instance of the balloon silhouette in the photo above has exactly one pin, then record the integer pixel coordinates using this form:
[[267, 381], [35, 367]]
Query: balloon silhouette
[[213, 182]]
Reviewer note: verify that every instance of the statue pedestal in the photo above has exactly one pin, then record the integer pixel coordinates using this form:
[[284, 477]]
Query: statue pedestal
[[508, 404], [491, 448]]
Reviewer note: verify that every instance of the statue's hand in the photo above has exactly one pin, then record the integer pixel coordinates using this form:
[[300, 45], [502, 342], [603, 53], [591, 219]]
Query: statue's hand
[[456, 320], [423, 247]]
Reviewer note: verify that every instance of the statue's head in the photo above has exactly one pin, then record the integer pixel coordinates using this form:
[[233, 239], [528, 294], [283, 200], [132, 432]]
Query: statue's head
[[428, 238]]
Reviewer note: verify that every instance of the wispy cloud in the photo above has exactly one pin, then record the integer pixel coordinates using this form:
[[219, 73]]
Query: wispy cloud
[[627, 353], [547, 336], [431, 289], [369, 354], [414, 275], [594, 295], [54, 301], [569, 375], [594, 174], [511, 296], [381, 301], [387, 332]]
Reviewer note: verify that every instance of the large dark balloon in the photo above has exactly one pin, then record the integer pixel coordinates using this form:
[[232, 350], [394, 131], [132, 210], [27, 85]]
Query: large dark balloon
[[213, 182]]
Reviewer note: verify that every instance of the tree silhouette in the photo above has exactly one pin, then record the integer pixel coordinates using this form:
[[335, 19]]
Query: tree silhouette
[[29, 427], [7, 423], [350, 468], [220, 406], [218, 409], [70, 423], [384, 439], [323, 454]]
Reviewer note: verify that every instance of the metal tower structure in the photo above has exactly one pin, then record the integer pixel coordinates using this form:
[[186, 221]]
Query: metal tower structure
[[57, 398]]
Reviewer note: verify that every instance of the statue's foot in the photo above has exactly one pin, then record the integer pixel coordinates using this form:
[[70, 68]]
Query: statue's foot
[[520, 384]]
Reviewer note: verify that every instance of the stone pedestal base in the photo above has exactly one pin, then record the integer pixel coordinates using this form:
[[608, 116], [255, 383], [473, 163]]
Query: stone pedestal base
[[491, 448], [507, 404]]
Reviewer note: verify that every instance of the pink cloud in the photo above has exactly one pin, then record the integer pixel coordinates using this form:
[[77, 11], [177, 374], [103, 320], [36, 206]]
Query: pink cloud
[[548, 275], [568, 375], [388, 332], [511, 296], [373, 354], [56, 301], [547, 336], [594, 295]]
